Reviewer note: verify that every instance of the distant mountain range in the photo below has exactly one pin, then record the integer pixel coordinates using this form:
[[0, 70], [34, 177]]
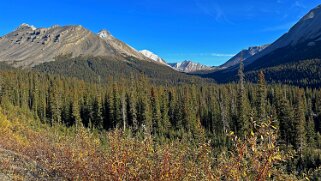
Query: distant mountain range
[[74, 50], [185, 66], [189, 67], [29, 46]]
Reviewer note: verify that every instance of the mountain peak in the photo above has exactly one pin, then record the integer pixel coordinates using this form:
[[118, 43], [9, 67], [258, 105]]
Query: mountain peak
[[104, 34], [25, 25]]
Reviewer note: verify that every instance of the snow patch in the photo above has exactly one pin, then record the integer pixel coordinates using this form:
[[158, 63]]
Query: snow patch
[[25, 25], [104, 34], [152, 56]]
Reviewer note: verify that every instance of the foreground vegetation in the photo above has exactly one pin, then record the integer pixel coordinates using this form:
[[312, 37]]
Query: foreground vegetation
[[82, 154], [130, 129]]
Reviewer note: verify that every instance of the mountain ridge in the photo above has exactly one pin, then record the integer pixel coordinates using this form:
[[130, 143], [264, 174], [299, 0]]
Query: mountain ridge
[[243, 55], [28, 46]]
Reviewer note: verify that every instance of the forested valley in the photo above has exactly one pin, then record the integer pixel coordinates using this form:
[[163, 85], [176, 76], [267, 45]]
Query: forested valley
[[133, 129]]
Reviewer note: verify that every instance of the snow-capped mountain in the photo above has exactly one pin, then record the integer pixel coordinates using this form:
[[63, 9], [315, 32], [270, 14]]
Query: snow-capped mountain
[[29, 46], [153, 56], [243, 56], [189, 66]]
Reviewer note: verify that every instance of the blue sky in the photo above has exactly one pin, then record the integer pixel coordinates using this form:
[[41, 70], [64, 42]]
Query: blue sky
[[205, 31]]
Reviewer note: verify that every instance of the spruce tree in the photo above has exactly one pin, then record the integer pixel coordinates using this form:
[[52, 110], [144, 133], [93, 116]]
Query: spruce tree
[[165, 124], [242, 122], [156, 114], [285, 117], [310, 133], [299, 122], [75, 111], [261, 97], [54, 109], [97, 119]]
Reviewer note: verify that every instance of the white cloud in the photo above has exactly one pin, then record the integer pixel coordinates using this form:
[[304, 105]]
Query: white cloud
[[212, 9], [222, 55]]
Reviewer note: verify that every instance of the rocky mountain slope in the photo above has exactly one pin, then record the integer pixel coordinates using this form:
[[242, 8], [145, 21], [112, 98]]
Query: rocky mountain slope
[[28, 46], [243, 56]]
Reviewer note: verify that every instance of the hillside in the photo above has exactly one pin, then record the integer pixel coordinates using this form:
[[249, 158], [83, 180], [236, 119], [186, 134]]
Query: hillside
[[94, 69]]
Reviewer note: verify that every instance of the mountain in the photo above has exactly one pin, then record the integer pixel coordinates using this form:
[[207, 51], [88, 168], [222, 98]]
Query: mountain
[[302, 42], [243, 56], [294, 58], [189, 66], [153, 56], [28, 46]]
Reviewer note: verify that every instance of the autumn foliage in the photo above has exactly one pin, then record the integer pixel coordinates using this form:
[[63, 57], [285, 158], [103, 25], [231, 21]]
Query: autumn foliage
[[82, 154]]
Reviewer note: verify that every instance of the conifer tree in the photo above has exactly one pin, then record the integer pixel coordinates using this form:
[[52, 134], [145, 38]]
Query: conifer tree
[[311, 133], [97, 118], [165, 124], [123, 109], [54, 110], [299, 122], [75, 111], [242, 122], [285, 117], [261, 97], [116, 106], [131, 101], [34, 94], [156, 114]]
